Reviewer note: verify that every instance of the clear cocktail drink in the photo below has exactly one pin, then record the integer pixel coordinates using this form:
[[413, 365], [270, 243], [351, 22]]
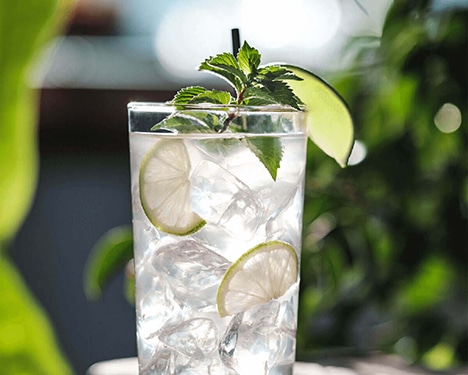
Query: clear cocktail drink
[[217, 231]]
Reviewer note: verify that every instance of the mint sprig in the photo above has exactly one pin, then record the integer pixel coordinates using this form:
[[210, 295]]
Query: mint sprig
[[253, 86]]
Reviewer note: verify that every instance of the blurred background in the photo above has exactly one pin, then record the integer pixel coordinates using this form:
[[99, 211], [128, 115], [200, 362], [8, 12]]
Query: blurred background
[[384, 264]]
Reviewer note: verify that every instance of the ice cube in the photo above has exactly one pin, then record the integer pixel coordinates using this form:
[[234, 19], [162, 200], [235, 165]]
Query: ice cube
[[146, 352], [162, 359], [157, 304], [285, 214], [146, 238], [226, 245], [228, 343], [255, 342], [219, 149], [193, 271], [211, 365], [221, 198], [243, 215], [196, 338], [160, 362], [244, 350]]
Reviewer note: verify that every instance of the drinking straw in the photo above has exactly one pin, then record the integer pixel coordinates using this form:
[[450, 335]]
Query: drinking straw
[[235, 41]]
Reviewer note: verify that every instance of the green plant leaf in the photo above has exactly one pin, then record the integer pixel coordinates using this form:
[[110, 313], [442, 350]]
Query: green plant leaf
[[212, 97], [25, 27], [226, 66], [181, 123], [192, 121], [185, 95], [269, 150], [129, 283], [198, 94], [249, 59], [27, 342], [113, 250], [282, 93], [276, 73], [256, 96]]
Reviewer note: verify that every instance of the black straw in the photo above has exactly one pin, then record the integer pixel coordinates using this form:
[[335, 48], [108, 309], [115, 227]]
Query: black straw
[[235, 41]]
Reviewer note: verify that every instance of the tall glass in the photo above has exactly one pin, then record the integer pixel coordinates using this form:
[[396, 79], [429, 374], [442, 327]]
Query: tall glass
[[239, 209]]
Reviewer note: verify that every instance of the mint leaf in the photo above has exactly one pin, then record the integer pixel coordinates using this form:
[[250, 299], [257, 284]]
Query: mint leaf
[[184, 96], [282, 93], [259, 124], [258, 96], [268, 150], [249, 59], [270, 79], [181, 124], [226, 66], [192, 121], [213, 96], [248, 79], [212, 120], [198, 94], [276, 73]]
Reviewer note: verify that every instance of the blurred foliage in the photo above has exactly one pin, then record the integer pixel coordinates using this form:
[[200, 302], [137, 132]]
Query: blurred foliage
[[112, 252], [27, 343], [384, 261]]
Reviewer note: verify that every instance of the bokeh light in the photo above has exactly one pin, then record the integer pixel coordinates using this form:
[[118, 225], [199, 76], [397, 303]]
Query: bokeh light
[[448, 118], [358, 153], [303, 32], [189, 33], [301, 24]]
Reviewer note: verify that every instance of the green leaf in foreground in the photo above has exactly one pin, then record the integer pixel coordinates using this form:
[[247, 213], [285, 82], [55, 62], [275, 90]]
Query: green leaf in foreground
[[27, 342], [269, 150], [113, 250]]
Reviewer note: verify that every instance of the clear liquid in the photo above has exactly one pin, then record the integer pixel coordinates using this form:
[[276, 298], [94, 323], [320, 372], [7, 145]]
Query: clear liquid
[[178, 327]]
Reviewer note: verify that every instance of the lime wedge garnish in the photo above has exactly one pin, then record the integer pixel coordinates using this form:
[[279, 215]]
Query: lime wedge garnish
[[263, 273], [165, 189], [329, 122]]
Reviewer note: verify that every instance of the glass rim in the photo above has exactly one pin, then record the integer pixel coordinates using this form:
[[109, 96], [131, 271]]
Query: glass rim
[[154, 106]]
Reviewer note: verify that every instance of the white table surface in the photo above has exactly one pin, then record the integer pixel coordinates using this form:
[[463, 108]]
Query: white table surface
[[374, 365]]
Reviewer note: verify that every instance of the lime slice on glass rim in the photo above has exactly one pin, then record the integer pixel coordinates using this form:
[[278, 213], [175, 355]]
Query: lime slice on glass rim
[[263, 273], [329, 122], [165, 189]]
